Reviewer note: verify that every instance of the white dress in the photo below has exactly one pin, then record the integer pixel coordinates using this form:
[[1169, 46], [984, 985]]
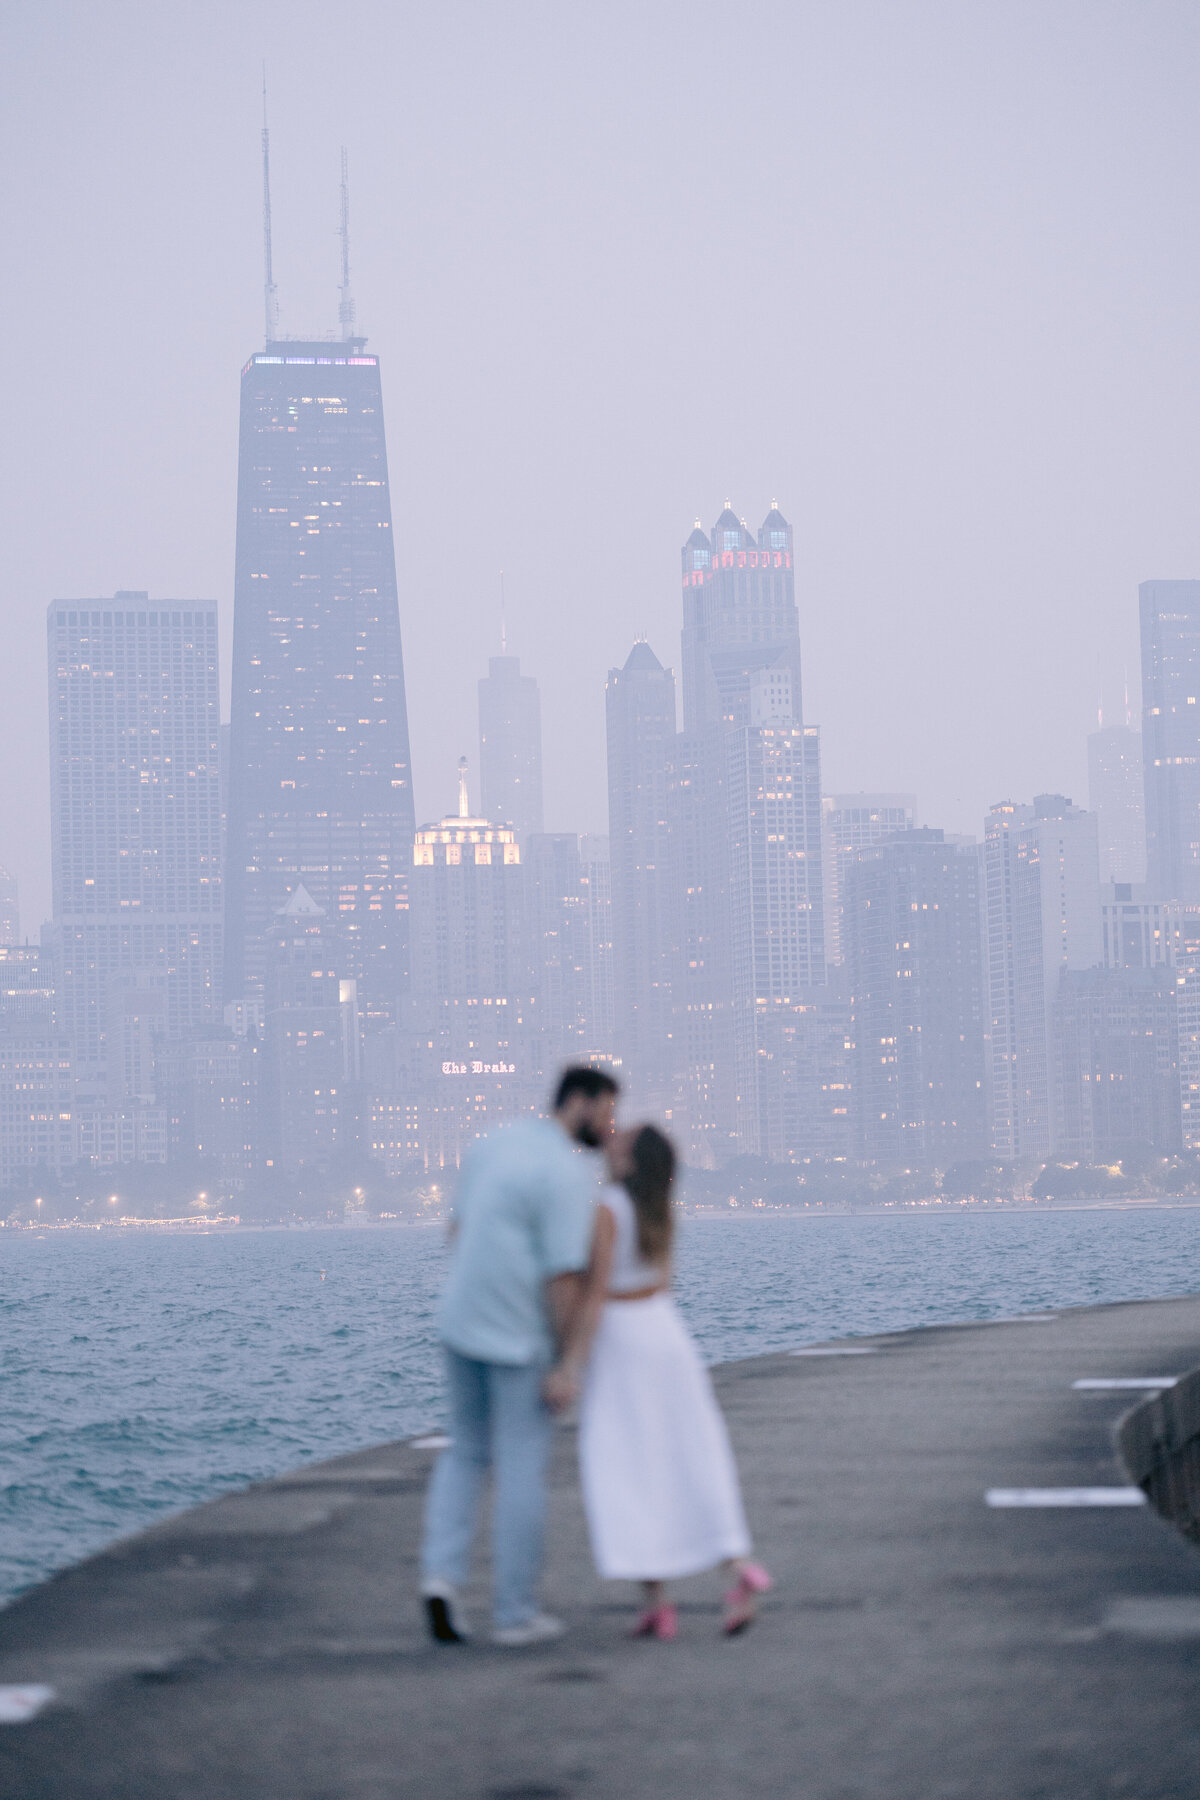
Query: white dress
[[659, 1482]]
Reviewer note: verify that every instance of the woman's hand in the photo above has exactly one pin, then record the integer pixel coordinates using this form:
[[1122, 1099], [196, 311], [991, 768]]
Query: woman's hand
[[560, 1387]]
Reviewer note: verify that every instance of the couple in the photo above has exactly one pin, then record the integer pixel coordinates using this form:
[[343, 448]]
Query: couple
[[551, 1297]]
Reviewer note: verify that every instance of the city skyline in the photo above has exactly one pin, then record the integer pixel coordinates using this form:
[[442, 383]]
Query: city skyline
[[565, 422]]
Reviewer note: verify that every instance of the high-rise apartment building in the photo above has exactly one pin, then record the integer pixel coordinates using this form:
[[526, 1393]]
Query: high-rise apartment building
[[1041, 917], [135, 819], [320, 787], [510, 746], [850, 823], [10, 910], [640, 710], [1116, 796], [911, 935], [311, 1104], [776, 922], [1117, 1056], [747, 801], [570, 934], [470, 1053], [1170, 629]]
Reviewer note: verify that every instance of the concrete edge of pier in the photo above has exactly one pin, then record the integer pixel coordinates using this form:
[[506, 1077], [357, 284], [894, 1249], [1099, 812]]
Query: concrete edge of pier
[[931, 1637]]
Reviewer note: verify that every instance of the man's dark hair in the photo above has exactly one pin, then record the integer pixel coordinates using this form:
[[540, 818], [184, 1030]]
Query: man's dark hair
[[580, 1079]]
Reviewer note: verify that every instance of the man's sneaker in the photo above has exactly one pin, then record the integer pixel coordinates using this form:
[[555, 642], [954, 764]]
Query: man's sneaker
[[446, 1622], [541, 1629]]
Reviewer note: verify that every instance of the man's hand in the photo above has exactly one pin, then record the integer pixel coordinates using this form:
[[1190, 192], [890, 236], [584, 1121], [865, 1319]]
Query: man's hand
[[560, 1388]]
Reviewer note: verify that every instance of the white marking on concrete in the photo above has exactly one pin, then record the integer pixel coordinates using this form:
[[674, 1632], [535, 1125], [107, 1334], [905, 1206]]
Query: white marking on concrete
[[432, 1443], [1164, 1616], [20, 1703], [1122, 1382], [1089, 1496], [1020, 1319], [839, 1350]]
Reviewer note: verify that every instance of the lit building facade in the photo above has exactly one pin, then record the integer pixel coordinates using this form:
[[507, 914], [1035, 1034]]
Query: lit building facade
[[320, 787], [510, 746], [311, 1098], [1041, 917], [1116, 795], [911, 933], [641, 734], [135, 818], [568, 917], [1170, 631], [747, 801], [850, 823], [471, 1052], [1117, 1062]]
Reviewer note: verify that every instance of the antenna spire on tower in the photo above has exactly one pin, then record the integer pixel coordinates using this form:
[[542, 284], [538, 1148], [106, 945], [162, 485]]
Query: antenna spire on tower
[[464, 804], [270, 298], [345, 297], [503, 619]]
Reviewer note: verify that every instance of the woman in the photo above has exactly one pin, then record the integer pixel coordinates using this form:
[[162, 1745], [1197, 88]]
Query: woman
[[659, 1483]]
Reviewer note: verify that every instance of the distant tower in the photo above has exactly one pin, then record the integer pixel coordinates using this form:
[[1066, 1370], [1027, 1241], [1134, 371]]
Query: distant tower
[[913, 949], [472, 1044], [640, 704], [1041, 917], [510, 745], [748, 798], [850, 823], [1116, 796], [319, 775], [10, 911], [1170, 623], [135, 815]]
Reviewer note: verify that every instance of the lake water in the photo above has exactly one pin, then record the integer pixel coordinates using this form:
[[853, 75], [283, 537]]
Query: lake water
[[142, 1374]]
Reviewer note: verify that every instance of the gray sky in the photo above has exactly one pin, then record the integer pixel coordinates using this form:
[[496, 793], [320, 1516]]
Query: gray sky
[[927, 273]]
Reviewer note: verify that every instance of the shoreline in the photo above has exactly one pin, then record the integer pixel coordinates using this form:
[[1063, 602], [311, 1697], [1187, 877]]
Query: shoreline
[[927, 1209]]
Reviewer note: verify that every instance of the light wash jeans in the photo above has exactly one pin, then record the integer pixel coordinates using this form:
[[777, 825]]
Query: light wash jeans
[[497, 1417]]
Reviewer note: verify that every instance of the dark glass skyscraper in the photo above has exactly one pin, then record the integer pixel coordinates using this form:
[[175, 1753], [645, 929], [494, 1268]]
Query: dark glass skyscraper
[[320, 790], [1170, 620]]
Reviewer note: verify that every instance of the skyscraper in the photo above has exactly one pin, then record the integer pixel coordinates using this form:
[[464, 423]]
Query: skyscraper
[[850, 823], [749, 809], [1170, 625], [1116, 796], [640, 711], [914, 956], [1117, 1055], [135, 818], [10, 910], [471, 1049], [510, 745], [1042, 916], [320, 787]]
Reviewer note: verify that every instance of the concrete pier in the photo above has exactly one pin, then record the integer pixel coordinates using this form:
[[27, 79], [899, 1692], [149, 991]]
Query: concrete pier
[[922, 1644]]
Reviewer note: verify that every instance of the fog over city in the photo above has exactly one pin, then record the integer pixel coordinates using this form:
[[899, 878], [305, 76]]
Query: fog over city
[[923, 273], [373, 377]]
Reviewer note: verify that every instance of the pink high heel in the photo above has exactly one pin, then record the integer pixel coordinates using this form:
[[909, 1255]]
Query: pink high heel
[[661, 1622], [752, 1581]]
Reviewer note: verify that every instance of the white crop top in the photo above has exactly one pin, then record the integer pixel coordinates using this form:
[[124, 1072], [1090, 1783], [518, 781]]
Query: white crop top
[[629, 1272]]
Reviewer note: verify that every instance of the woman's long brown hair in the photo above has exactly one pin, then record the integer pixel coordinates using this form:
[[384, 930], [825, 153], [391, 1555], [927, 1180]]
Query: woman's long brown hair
[[649, 1187]]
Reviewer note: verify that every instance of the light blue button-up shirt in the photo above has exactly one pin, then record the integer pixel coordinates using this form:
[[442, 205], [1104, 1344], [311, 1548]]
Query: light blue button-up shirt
[[523, 1212]]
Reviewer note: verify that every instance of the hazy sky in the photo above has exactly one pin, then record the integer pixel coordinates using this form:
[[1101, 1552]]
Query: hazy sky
[[927, 273]]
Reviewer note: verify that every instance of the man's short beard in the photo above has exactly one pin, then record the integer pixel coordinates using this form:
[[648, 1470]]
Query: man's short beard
[[585, 1133]]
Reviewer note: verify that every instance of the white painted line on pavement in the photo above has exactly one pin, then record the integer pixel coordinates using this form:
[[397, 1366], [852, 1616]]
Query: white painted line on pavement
[[1122, 1382], [432, 1443], [847, 1350], [20, 1703], [1091, 1496]]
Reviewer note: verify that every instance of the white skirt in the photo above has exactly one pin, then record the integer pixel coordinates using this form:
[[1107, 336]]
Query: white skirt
[[659, 1482]]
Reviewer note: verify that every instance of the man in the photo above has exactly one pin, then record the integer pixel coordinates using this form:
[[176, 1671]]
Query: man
[[522, 1233]]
